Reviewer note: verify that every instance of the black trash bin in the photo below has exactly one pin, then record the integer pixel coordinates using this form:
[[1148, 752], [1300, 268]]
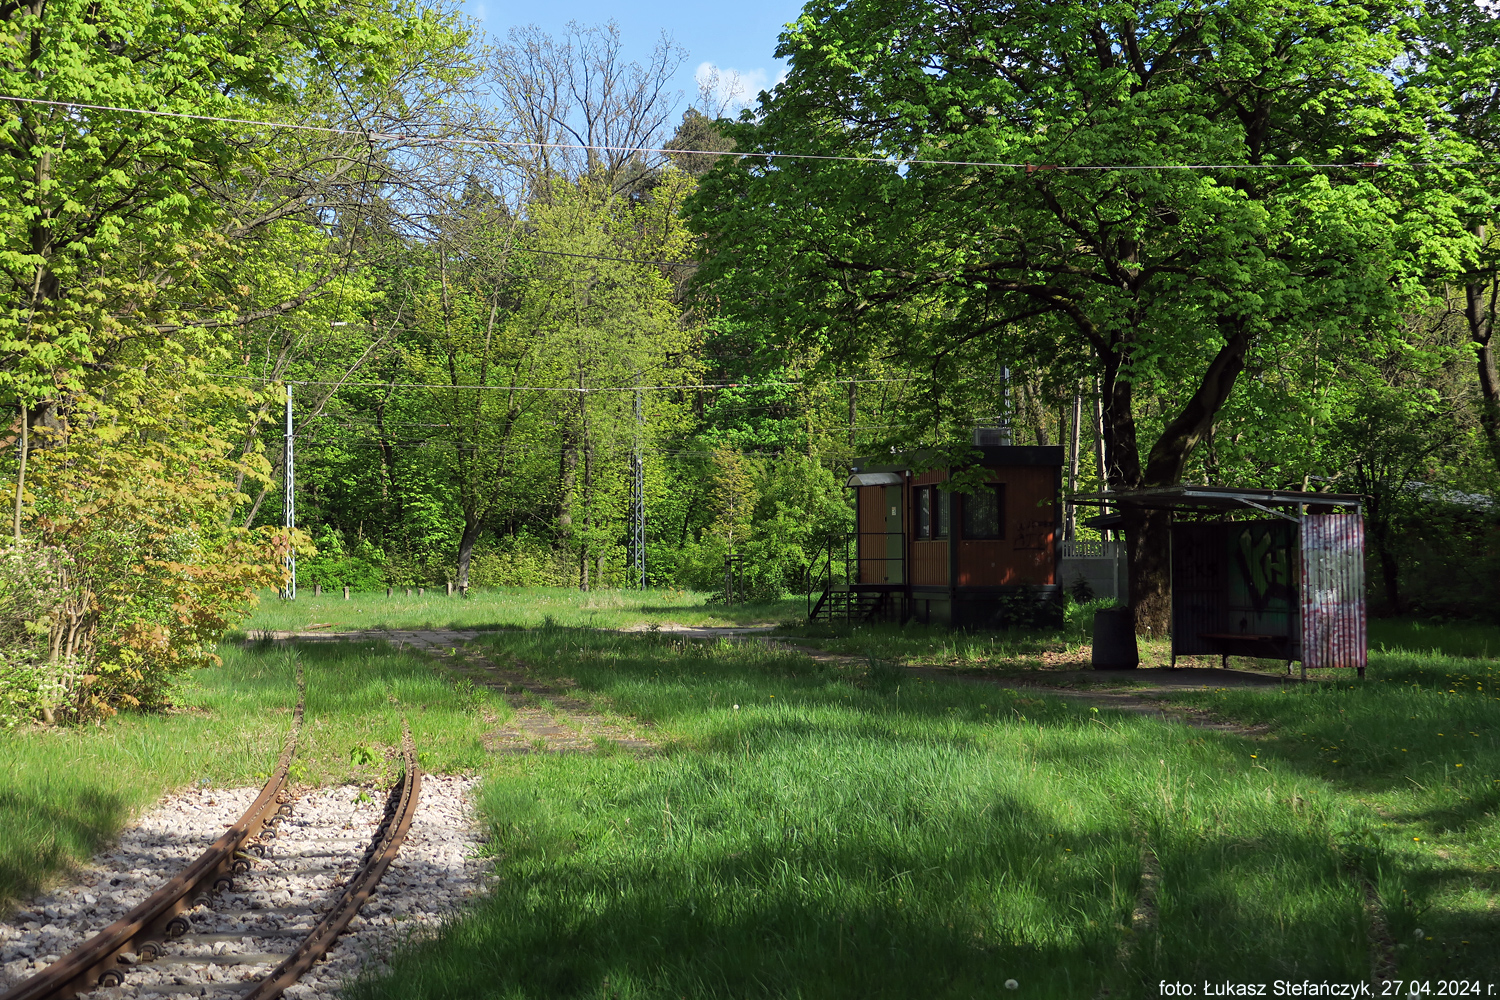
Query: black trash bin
[[1114, 640]]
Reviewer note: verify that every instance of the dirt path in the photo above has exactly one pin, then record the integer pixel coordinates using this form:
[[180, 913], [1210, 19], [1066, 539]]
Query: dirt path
[[1140, 699], [547, 719]]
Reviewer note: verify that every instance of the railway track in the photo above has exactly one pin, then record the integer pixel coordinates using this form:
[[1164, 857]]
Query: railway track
[[227, 925]]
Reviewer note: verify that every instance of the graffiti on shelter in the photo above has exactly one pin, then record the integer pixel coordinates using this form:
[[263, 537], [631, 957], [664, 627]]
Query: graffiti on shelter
[[1264, 557]]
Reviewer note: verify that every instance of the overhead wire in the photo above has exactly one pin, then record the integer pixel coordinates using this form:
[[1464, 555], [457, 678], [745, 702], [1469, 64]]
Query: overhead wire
[[553, 388], [769, 155]]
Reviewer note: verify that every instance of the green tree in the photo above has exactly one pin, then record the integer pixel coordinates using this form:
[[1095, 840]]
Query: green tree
[[1160, 282]]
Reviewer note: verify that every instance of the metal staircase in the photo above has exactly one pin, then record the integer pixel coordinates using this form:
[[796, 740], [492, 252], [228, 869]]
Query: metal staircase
[[833, 595], [840, 604]]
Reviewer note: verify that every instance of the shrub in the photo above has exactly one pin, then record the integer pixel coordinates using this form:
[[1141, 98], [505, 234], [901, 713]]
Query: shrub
[[362, 567], [38, 675], [135, 488]]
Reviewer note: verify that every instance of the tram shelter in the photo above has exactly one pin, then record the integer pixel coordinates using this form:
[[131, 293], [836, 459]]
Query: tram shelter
[[1287, 585]]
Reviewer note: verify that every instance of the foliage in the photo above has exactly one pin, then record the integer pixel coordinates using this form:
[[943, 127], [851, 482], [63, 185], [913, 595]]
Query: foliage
[[360, 567], [34, 602], [778, 514], [1162, 284], [112, 220], [135, 487]]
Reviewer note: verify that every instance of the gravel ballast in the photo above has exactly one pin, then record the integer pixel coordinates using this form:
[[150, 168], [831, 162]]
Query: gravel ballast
[[242, 934]]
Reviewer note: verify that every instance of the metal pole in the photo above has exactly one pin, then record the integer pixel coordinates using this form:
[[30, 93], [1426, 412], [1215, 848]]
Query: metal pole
[[1099, 459], [289, 502], [1005, 428], [638, 502], [1071, 532]]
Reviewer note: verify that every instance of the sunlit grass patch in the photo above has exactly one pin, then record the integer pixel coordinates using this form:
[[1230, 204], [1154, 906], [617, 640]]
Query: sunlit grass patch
[[805, 832], [505, 607], [1419, 741]]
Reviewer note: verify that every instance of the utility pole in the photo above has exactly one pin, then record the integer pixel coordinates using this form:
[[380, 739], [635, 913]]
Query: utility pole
[[638, 501], [853, 413], [289, 502], [1099, 449], [1071, 524]]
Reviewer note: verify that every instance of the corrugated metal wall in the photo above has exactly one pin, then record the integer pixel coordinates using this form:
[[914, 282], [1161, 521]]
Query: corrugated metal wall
[[1333, 591]]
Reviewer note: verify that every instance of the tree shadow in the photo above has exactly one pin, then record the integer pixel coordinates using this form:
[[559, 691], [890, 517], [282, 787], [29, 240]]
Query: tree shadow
[[43, 836]]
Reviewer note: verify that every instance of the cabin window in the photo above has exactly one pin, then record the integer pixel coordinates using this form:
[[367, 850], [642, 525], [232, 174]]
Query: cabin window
[[984, 513], [924, 512], [942, 512]]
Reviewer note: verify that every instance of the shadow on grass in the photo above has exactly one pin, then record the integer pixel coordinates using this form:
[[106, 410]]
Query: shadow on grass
[[746, 893], [42, 834], [1418, 745], [841, 841]]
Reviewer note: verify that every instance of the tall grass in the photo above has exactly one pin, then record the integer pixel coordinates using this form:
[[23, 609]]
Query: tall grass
[[1419, 742], [1448, 638], [808, 833]]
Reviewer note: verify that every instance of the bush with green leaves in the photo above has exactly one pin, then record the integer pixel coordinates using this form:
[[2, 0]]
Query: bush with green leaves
[[34, 594], [799, 505], [361, 566]]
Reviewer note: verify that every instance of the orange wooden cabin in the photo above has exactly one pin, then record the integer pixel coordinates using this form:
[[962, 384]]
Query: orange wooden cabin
[[971, 559]]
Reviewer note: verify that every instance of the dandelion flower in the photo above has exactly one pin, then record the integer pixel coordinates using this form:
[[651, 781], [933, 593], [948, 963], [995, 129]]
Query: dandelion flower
[[1011, 984]]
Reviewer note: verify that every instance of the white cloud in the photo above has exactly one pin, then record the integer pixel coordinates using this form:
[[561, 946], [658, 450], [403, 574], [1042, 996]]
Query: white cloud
[[728, 90]]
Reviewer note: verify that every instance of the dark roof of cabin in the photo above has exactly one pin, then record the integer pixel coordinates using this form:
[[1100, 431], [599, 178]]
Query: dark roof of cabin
[[990, 456]]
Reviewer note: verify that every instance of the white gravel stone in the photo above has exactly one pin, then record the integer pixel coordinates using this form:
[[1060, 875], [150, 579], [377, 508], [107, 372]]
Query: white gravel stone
[[272, 906]]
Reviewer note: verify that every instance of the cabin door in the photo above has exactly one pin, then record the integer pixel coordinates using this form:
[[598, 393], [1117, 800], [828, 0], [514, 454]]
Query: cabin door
[[895, 539]]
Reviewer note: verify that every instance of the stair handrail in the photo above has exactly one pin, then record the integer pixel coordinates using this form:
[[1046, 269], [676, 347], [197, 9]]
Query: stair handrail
[[824, 554]]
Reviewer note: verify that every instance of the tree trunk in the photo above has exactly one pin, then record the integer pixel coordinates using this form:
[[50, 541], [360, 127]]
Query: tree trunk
[[472, 525], [1070, 528], [1148, 533], [1479, 313], [588, 499], [568, 479], [24, 446], [1148, 554], [1390, 569], [1100, 474], [853, 413]]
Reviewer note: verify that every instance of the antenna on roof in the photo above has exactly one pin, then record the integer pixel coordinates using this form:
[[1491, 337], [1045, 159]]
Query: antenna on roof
[[995, 432]]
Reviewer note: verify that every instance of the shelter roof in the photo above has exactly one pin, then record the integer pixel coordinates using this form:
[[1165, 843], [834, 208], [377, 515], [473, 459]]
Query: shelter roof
[[1220, 499]]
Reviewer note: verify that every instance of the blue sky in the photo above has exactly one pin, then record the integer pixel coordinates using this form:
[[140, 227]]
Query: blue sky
[[729, 36]]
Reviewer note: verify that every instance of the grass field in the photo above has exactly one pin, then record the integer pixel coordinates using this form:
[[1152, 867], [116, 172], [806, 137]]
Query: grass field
[[813, 833], [809, 830], [1419, 745], [513, 607], [68, 791]]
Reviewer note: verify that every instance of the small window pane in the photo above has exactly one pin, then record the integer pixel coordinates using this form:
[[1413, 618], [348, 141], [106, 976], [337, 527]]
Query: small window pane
[[942, 514], [924, 512], [984, 513]]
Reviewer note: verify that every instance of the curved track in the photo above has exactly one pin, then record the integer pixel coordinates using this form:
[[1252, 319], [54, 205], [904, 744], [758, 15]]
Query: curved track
[[145, 934]]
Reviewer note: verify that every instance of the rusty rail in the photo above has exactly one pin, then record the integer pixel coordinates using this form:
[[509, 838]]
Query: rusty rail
[[98, 961], [401, 806]]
